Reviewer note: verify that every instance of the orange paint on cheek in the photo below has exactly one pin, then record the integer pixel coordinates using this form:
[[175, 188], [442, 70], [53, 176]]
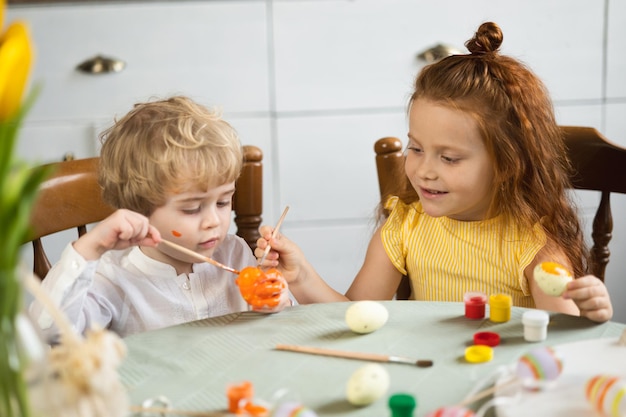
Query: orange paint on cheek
[[176, 234]]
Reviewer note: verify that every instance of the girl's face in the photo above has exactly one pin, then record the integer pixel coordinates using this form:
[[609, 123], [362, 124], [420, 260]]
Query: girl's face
[[198, 220], [447, 162]]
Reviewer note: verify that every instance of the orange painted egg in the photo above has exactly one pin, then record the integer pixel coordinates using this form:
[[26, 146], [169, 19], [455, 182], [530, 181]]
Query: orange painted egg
[[552, 278], [607, 394], [261, 288]]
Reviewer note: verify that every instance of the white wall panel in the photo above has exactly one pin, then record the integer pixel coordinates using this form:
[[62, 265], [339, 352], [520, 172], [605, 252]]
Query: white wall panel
[[214, 50], [361, 54], [43, 143], [327, 164], [616, 48], [336, 252]]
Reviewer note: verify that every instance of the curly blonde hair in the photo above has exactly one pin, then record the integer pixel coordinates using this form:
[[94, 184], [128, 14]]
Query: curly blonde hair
[[163, 147], [515, 116]]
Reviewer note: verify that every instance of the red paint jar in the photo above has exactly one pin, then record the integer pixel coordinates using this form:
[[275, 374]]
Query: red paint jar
[[487, 338], [475, 302]]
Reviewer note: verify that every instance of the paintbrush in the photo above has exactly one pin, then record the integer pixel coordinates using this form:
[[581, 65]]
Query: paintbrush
[[375, 357], [274, 234], [165, 410], [197, 256]]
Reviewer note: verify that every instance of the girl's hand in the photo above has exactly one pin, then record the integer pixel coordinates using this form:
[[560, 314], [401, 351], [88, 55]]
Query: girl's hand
[[304, 282], [122, 229], [276, 294], [284, 255], [592, 298]]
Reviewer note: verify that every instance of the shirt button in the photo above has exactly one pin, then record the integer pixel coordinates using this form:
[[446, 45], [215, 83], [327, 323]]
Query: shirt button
[[74, 265], [186, 286]]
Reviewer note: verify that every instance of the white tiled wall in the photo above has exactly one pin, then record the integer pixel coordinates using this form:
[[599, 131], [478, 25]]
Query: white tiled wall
[[314, 84]]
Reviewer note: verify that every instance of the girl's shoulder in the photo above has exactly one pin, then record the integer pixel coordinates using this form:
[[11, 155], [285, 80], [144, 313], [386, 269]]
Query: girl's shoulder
[[400, 211]]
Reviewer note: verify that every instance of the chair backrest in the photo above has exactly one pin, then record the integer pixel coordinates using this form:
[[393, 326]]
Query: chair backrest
[[598, 165], [70, 198]]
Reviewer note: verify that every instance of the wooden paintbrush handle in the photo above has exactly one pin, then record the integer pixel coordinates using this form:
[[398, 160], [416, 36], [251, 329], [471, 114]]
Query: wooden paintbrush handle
[[165, 410], [197, 256], [337, 353], [487, 392], [274, 234]]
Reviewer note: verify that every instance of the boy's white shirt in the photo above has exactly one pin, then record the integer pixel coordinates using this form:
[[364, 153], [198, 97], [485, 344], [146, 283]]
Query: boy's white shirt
[[129, 292]]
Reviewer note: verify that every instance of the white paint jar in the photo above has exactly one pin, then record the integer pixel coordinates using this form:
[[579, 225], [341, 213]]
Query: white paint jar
[[535, 325]]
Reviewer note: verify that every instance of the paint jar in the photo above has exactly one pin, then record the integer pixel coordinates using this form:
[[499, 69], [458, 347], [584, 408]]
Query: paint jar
[[491, 339], [500, 308], [535, 325], [475, 302], [238, 396], [402, 405], [478, 353]]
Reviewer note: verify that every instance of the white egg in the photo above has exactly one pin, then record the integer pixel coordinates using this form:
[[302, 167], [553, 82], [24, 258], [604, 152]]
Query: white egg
[[366, 316], [552, 278], [367, 384]]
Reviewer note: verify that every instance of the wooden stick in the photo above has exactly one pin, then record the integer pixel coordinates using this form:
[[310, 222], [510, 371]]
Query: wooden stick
[[33, 285], [376, 357], [488, 391], [165, 410], [199, 257], [274, 234]]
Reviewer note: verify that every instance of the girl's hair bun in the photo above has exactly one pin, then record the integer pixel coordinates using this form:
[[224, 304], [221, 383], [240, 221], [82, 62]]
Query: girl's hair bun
[[486, 40]]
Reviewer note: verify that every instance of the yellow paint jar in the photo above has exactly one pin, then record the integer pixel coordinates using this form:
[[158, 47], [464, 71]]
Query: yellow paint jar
[[478, 353], [500, 308]]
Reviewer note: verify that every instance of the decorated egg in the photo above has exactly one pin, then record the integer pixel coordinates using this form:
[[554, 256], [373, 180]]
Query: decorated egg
[[607, 394], [261, 289], [367, 384], [539, 367], [451, 411], [552, 278], [366, 316]]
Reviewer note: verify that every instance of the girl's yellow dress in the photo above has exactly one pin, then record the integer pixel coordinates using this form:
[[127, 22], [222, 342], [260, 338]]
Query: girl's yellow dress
[[444, 258]]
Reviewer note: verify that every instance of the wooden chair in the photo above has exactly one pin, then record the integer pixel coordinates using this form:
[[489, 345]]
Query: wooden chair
[[598, 165], [70, 198]]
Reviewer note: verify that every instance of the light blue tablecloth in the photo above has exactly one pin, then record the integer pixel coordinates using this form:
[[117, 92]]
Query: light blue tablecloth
[[192, 364]]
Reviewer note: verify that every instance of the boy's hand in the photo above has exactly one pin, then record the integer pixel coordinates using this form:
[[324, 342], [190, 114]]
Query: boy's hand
[[592, 298], [122, 229]]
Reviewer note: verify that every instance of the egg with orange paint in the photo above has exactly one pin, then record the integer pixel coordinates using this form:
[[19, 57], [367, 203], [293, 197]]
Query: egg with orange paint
[[261, 289], [552, 278], [607, 394]]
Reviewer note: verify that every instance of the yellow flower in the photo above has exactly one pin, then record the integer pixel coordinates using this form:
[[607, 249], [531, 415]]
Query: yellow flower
[[16, 56]]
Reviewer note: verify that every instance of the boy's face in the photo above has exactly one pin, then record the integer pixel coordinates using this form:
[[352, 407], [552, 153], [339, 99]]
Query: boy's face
[[198, 220]]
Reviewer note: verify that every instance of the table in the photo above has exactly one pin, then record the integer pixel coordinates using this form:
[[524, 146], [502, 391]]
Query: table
[[192, 364]]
